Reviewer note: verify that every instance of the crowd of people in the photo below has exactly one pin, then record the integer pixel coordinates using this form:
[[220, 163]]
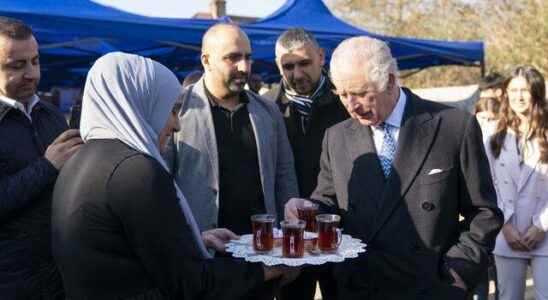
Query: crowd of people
[[140, 201]]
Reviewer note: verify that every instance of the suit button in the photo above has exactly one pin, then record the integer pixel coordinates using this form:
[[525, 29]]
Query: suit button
[[506, 182], [502, 164], [428, 206]]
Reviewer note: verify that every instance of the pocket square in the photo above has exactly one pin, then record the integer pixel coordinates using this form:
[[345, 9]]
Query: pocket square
[[435, 171]]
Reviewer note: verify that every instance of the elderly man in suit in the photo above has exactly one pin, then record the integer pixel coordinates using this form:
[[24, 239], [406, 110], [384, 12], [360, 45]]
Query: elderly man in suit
[[233, 156], [400, 172], [309, 106]]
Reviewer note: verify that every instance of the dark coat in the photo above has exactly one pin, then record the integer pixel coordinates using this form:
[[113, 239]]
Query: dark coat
[[119, 233], [307, 145], [27, 269], [410, 221]]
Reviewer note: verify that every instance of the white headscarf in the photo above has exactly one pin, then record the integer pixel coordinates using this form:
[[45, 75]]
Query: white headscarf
[[129, 98]]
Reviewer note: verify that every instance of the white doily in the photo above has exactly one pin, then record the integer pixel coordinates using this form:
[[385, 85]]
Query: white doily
[[243, 248]]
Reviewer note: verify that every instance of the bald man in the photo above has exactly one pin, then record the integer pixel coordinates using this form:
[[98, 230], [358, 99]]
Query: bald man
[[233, 158]]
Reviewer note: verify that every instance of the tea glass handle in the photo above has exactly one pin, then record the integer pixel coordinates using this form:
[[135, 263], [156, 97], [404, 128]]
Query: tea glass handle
[[292, 249], [339, 236], [258, 238]]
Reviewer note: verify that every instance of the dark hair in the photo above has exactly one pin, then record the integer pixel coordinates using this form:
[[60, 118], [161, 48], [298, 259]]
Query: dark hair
[[487, 104], [14, 29], [296, 37], [491, 81], [538, 116]]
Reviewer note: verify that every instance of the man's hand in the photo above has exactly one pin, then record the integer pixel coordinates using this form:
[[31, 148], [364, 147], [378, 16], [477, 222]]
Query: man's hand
[[513, 238], [532, 237], [63, 147], [217, 238], [285, 274], [458, 281], [291, 208]]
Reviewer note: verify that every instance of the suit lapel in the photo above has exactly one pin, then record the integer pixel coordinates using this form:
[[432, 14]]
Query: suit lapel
[[293, 125], [258, 117], [509, 157], [359, 143], [529, 165], [415, 139], [204, 116]]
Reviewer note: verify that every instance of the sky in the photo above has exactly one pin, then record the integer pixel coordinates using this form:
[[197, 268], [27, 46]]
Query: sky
[[187, 8]]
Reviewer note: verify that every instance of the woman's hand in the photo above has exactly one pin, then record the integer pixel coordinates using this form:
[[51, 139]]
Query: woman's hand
[[513, 238], [217, 238], [532, 237]]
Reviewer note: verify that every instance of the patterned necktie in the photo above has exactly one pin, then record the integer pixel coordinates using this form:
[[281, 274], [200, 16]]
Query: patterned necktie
[[388, 149]]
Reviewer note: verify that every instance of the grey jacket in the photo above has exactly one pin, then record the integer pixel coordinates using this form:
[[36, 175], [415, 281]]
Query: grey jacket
[[194, 156]]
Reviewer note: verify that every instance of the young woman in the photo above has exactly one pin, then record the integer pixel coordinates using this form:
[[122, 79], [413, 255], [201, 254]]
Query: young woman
[[121, 227], [517, 147]]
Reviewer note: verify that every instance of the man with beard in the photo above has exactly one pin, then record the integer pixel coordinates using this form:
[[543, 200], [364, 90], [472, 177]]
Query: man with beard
[[309, 106], [233, 157], [33, 148]]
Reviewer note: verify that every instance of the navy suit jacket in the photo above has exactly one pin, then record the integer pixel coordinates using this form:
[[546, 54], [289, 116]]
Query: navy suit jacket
[[410, 220]]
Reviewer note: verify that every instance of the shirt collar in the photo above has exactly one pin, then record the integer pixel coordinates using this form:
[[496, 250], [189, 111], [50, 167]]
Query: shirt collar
[[19, 106], [396, 115], [242, 98]]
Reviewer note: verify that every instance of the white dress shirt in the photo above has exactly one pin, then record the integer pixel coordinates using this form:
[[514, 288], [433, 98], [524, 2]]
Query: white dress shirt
[[393, 119], [19, 106]]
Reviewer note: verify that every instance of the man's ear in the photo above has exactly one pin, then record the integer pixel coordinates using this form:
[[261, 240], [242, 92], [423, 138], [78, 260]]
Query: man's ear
[[278, 62], [204, 58], [391, 83], [322, 56]]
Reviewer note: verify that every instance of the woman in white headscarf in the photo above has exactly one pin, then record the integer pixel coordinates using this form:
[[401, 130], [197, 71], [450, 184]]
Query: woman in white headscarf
[[121, 227]]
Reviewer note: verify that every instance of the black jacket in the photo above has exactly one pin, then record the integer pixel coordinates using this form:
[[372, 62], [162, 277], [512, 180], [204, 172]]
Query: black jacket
[[27, 270], [119, 233], [410, 221], [307, 146]]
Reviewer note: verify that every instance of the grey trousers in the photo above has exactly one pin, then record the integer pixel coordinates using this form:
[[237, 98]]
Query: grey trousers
[[511, 275]]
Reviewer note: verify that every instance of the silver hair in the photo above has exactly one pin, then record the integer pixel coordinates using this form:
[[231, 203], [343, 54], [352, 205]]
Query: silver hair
[[295, 38], [370, 54]]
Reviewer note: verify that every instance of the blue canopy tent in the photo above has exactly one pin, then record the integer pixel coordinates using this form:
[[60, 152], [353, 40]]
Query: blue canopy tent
[[314, 16], [73, 33]]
